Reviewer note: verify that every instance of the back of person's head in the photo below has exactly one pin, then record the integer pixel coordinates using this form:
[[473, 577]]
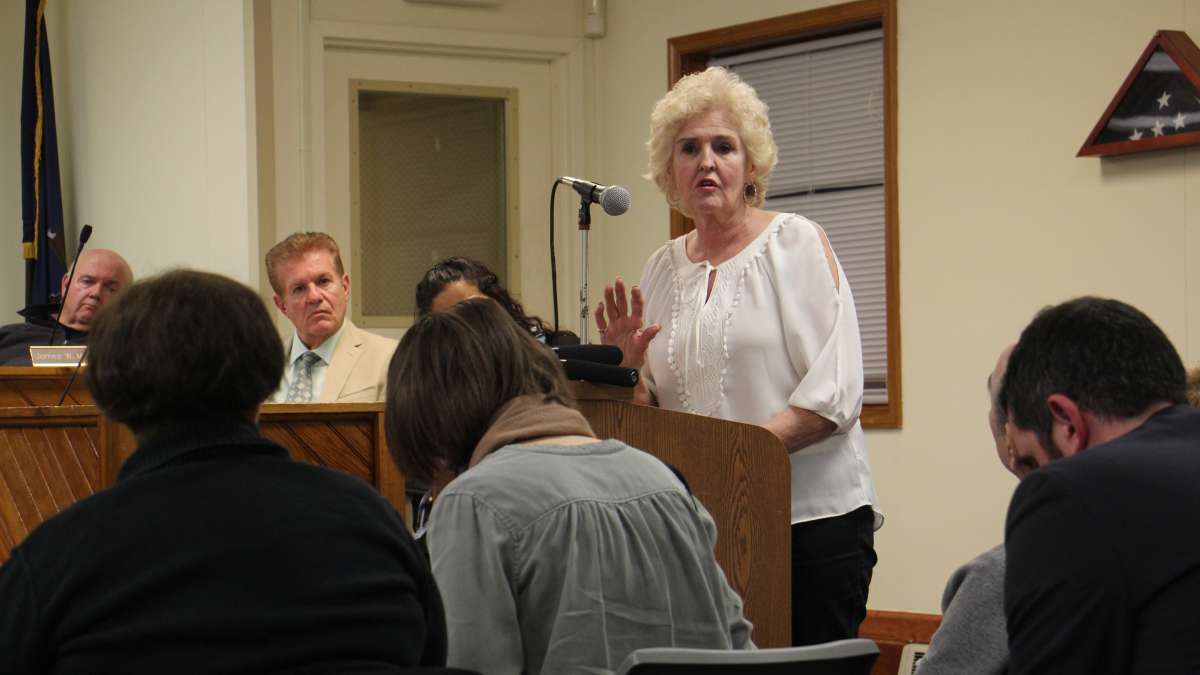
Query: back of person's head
[[473, 272], [180, 346], [451, 374], [1106, 356], [296, 245]]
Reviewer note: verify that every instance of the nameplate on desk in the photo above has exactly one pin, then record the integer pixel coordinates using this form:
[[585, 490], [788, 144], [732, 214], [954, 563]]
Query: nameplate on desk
[[57, 355]]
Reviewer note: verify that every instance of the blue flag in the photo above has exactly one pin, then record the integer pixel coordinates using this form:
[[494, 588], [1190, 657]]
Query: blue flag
[[42, 236]]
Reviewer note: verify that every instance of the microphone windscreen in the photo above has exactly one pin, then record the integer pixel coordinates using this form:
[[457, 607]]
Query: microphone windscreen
[[615, 200], [600, 374], [85, 234], [606, 354]]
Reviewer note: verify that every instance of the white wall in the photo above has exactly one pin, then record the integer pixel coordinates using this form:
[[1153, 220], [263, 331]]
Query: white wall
[[12, 264], [530, 17], [997, 218], [159, 125]]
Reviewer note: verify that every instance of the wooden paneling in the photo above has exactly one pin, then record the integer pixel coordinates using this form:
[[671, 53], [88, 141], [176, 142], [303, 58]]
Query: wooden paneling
[[892, 630], [49, 460], [389, 480], [24, 386], [741, 474], [51, 457], [342, 436]]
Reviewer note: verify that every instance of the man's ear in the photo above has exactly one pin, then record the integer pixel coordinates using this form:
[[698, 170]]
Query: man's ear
[[278, 303], [1069, 429]]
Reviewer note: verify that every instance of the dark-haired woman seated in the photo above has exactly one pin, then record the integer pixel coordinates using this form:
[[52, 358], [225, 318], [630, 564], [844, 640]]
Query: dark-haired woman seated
[[555, 552], [456, 279]]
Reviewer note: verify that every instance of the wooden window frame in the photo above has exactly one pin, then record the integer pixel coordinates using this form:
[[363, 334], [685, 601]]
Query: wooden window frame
[[690, 53]]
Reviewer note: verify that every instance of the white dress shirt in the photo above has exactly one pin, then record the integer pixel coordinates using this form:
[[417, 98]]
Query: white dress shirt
[[775, 331], [324, 351]]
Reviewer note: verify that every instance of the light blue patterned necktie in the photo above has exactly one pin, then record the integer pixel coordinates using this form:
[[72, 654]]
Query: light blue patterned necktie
[[301, 390]]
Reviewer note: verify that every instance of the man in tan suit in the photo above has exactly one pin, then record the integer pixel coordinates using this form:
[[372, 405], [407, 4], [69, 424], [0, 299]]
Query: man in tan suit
[[329, 360]]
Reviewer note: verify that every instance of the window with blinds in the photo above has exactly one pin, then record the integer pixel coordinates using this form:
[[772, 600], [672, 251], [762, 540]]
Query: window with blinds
[[826, 100]]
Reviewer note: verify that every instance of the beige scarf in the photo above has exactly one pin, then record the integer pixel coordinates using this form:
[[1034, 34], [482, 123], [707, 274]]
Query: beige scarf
[[528, 418]]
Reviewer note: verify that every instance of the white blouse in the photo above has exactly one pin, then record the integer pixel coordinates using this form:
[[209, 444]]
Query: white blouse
[[775, 331]]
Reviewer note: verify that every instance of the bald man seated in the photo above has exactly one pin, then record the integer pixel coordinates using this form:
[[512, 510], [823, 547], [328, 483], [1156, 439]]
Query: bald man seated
[[99, 275]]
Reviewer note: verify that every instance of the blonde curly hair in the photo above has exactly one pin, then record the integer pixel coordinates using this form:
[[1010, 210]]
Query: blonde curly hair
[[699, 93]]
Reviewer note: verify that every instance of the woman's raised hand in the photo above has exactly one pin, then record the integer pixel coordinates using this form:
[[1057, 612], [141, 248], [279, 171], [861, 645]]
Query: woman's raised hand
[[620, 322]]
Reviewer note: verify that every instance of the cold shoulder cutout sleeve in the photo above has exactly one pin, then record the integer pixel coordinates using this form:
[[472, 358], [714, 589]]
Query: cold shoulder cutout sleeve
[[778, 329], [819, 322]]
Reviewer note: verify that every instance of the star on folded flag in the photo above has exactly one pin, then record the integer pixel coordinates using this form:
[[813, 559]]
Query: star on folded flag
[[1157, 104]]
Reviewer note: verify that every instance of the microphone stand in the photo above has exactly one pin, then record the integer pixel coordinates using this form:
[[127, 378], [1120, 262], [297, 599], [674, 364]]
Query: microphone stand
[[71, 381], [585, 226], [84, 235]]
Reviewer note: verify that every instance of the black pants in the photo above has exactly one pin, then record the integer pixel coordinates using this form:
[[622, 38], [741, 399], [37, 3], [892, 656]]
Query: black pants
[[832, 560]]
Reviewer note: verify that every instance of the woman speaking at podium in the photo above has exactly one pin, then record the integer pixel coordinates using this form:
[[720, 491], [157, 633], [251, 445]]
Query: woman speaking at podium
[[755, 323]]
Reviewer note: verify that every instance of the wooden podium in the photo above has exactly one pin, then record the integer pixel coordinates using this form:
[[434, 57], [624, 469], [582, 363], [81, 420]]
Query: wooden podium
[[741, 473], [52, 456]]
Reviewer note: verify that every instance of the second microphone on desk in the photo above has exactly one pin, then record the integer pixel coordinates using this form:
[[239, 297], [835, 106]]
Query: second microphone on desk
[[599, 373], [596, 363]]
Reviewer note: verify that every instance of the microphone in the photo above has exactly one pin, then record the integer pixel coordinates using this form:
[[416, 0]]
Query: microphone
[[600, 373], [84, 235], [604, 354], [614, 199]]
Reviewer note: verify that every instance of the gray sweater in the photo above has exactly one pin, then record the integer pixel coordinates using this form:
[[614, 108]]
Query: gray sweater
[[564, 559], [972, 638]]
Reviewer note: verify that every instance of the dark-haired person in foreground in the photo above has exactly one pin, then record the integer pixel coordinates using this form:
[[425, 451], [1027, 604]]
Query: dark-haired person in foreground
[[556, 552], [213, 551], [1103, 561]]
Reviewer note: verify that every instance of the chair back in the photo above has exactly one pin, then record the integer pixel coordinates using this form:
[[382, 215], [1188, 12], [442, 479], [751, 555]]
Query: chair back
[[843, 657]]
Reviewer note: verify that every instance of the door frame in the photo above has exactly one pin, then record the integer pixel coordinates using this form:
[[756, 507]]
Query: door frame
[[299, 49], [512, 222]]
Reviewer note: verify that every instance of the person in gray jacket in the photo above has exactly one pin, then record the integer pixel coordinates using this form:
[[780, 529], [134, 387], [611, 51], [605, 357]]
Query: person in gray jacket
[[972, 639], [555, 551]]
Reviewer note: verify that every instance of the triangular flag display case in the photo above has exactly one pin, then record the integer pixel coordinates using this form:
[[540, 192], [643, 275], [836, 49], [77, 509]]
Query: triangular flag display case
[[1158, 106]]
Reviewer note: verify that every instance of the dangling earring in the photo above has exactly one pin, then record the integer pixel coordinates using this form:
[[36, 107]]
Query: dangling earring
[[750, 192]]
